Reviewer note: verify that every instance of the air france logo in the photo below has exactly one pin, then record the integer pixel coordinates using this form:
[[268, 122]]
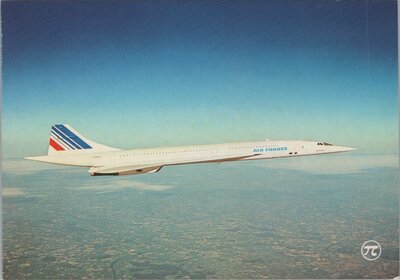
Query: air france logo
[[371, 250], [262, 150]]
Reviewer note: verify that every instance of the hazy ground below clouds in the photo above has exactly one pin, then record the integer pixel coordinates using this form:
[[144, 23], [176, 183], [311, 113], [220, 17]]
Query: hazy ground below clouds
[[284, 218]]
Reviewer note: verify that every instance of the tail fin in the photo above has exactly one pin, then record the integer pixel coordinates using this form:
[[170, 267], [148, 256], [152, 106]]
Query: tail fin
[[63, 138]]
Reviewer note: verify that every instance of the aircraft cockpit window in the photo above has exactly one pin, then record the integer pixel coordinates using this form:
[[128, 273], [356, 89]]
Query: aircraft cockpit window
[[327, 144]]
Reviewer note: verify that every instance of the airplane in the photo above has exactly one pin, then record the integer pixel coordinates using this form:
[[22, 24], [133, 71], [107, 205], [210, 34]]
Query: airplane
[[68, 147]]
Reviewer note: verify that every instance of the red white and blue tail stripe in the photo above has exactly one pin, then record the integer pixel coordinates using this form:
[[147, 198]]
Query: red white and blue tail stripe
[[64, 138]]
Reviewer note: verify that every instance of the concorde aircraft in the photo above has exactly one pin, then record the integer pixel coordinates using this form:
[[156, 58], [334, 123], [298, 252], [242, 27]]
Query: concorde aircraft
[[68, 147]]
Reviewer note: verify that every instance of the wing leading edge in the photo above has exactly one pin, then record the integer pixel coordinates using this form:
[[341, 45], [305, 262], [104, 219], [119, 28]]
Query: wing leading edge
[[129, 169]]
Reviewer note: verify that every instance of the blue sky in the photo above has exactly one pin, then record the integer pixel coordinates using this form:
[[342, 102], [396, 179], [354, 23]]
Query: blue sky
[[155, 73]]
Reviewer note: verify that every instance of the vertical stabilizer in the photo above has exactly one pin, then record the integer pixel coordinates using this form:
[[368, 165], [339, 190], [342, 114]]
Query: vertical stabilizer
[[64, 138]]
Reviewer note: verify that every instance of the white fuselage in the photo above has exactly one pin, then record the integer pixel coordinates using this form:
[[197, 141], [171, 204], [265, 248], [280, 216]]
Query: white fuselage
[[155, 158]]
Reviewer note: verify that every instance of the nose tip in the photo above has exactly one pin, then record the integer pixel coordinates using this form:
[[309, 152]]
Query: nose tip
[[347, 149]]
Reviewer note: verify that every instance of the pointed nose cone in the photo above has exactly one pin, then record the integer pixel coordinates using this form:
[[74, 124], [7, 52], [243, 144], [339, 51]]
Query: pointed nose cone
[[344, 149]]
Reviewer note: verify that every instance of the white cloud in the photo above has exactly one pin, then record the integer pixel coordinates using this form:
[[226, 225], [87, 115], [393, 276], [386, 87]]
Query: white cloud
[[334, 164], [17, 192], [12, 192], [109, 186]]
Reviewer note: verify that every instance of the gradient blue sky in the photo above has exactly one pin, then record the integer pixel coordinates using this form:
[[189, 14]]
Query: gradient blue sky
[[155, 73]]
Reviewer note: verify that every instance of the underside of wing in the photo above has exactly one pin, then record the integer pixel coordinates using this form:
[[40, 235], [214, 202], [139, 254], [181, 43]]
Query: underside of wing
[[132, 169], [115, 170]]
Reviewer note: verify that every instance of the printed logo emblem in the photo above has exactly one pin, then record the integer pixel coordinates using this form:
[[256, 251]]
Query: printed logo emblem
[[371, 250]]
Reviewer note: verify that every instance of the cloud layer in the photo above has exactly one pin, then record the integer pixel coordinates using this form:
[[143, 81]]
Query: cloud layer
[[334, 164], [109, 186], [13, 192]]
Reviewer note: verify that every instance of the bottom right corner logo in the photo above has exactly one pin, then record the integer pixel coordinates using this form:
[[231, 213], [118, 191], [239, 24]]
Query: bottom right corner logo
[[371, 250]]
